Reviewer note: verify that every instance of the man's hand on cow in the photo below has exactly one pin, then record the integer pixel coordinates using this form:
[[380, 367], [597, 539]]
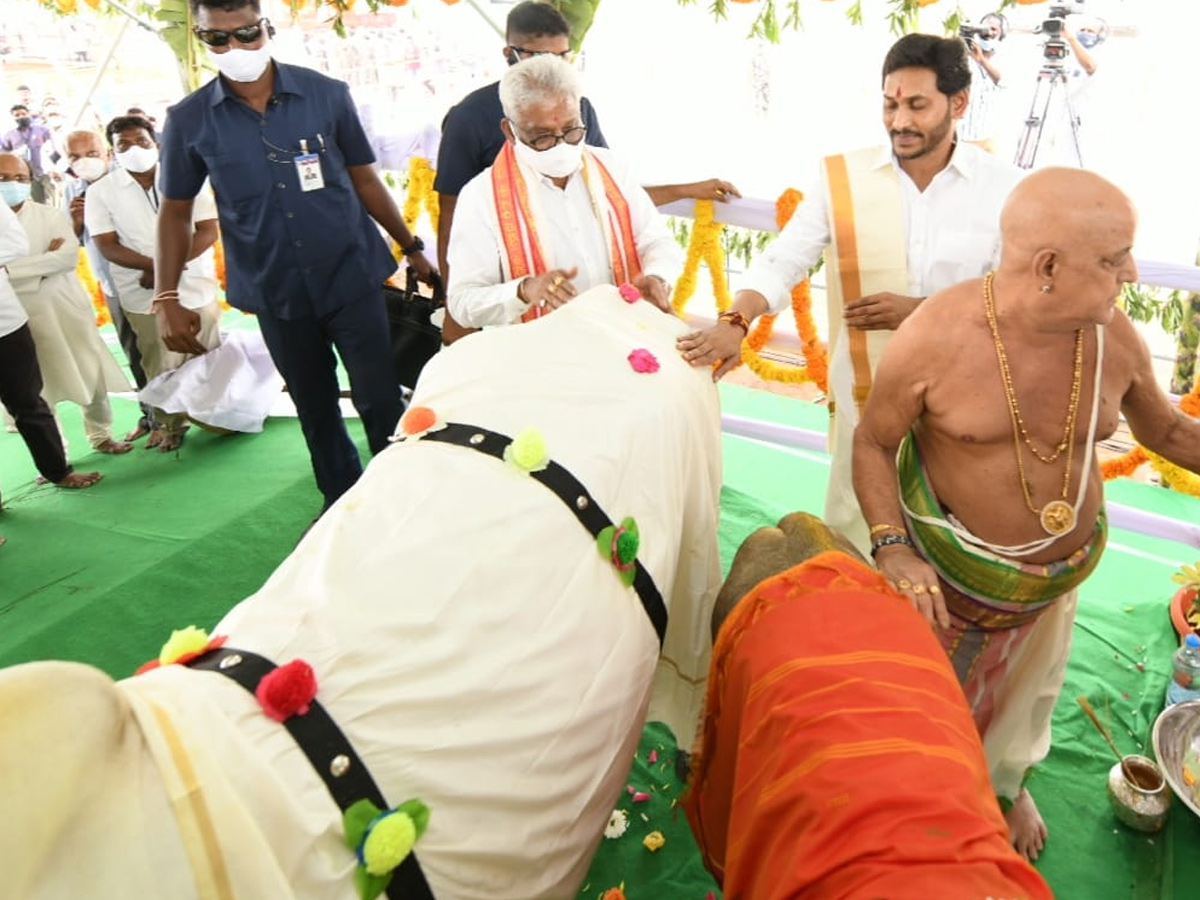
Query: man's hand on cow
[[551, 290], [880, 312], [656, 290], [915, 580], [719, 348]]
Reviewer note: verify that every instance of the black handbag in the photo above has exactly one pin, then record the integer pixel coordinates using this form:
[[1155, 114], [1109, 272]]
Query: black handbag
[[414, 338]]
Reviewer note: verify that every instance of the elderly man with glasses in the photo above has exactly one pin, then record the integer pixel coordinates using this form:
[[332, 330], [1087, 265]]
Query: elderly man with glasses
[[552, 217]]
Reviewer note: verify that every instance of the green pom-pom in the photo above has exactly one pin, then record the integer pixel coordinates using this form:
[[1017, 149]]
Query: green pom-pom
[[388, 843], [627, 547]]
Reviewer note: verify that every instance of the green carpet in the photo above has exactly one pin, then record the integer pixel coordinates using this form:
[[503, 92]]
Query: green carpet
[[100, 576]]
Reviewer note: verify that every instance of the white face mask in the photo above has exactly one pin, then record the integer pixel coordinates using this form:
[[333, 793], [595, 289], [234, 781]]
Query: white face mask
[[138, 159], [89, 168], [557, 162], [243, 65]]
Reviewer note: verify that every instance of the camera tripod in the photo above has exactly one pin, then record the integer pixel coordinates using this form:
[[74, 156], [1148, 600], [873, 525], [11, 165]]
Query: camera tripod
[[1050, 79]]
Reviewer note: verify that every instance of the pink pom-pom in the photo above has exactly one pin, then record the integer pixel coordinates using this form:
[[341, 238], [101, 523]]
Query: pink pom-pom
[[641, 797], [643, 361], [653, 757], [287, 691], [629, 293]]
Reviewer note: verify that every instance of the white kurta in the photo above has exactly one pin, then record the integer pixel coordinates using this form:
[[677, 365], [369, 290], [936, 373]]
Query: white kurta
[[571, 237], [73, 357], [465, 632]]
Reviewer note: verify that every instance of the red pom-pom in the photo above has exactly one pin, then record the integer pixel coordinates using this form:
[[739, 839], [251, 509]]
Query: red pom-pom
[[287, 691]]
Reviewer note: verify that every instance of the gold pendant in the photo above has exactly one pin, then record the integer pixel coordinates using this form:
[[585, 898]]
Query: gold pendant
[[1057, 517]]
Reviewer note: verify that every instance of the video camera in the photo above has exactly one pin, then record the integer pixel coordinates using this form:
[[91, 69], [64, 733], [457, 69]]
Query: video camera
[[1055, 50], [971, 33]]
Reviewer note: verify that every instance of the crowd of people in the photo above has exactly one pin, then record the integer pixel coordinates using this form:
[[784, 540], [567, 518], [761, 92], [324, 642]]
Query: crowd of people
[[973, 324]]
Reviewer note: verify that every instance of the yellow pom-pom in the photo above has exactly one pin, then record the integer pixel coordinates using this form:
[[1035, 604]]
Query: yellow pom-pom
[[181, 641], [653, 841], [390, 841], [528, 450]]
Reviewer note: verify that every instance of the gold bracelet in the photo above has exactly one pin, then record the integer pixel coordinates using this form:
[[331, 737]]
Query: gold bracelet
[[877, 529], [737, 319]]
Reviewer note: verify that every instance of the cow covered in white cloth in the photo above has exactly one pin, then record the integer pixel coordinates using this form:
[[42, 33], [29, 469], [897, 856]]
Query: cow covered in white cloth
[[467, 633]]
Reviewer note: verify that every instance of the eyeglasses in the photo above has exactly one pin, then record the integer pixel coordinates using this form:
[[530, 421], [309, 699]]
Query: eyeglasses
[[571, 136], [526, 53], [247, 34]]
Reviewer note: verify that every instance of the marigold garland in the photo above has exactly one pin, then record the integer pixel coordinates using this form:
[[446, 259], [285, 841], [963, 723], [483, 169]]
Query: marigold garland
[[705, 245], [219, 268], [1173, 476], [91, 286], [816, 358], [420, 193]]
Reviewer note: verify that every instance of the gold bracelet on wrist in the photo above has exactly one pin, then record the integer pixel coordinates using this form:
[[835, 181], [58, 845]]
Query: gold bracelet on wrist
[[736, 318], [878, 529]]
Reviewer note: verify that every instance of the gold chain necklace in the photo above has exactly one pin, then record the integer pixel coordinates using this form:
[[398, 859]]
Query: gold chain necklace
[[1057, 517]]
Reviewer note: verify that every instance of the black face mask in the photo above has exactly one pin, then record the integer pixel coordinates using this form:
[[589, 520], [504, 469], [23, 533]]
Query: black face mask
[[24, 122]]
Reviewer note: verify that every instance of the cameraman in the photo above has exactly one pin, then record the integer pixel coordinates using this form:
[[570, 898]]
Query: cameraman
[[1089, 35], [978, 123]]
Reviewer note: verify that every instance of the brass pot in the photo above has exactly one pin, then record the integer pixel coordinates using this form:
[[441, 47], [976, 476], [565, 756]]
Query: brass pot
[[1140, 799]]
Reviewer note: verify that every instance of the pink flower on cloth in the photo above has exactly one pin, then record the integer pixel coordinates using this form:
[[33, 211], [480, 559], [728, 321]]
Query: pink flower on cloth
[[287, 691], [629, 293], [642, 360]]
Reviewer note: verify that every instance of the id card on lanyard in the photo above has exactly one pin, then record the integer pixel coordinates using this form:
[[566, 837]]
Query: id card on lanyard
[[308, 168]]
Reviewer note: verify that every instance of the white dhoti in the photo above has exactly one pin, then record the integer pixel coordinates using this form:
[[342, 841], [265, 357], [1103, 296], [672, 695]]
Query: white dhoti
[[466, 634]]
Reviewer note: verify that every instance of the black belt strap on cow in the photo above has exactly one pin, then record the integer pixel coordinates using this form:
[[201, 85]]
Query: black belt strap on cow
[[573, 494], [329, 752]]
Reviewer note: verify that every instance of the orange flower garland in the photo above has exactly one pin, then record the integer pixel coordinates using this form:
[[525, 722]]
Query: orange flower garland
[[91, 286], [816, 359], [705, 245], [1172, 476], [1124, 465], [219, 269]]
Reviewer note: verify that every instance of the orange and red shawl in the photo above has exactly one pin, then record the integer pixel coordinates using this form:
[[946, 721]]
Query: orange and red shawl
[[839, 759], [518, 234]]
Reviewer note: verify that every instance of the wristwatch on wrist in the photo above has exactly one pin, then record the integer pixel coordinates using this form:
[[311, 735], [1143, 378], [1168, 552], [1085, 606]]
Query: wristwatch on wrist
[[416, 246]]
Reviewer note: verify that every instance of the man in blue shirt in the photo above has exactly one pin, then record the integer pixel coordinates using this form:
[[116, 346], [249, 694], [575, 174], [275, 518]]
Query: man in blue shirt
[[296, 193]]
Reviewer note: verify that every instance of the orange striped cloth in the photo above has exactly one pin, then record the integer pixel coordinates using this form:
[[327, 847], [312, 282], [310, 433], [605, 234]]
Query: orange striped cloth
[[523, 253], [839, 760]]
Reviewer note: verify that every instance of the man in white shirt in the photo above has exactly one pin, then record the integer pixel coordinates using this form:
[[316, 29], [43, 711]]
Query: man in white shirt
[[551, 217], [900, 223], [20, 377], [121, 216]]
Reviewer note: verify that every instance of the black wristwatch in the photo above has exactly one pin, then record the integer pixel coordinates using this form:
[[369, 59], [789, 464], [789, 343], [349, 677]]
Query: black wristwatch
[[416, 246]]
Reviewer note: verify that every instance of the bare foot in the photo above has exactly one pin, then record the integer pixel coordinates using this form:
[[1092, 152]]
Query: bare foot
[[1025, 826], [170, 442], [156, 438], [79, 480], [137, 433], [113, 447]]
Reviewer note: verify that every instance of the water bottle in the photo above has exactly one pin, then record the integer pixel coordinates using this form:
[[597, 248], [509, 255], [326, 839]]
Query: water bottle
[[1185, 679]]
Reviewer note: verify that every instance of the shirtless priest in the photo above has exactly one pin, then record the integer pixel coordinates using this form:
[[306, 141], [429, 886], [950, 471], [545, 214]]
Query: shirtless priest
[[987, 410]]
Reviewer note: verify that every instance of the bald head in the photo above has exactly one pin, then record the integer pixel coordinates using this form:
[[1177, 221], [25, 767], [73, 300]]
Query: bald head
[[13, 167], [1068, 230]]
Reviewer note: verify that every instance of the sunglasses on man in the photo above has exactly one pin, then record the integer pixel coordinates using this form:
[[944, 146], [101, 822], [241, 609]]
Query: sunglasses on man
[[247, 34]]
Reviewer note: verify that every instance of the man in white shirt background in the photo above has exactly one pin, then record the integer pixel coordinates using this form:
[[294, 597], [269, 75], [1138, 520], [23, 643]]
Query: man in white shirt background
[[121, 217], [900, 223], [88, 160], [20, 377], [551, 217]]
